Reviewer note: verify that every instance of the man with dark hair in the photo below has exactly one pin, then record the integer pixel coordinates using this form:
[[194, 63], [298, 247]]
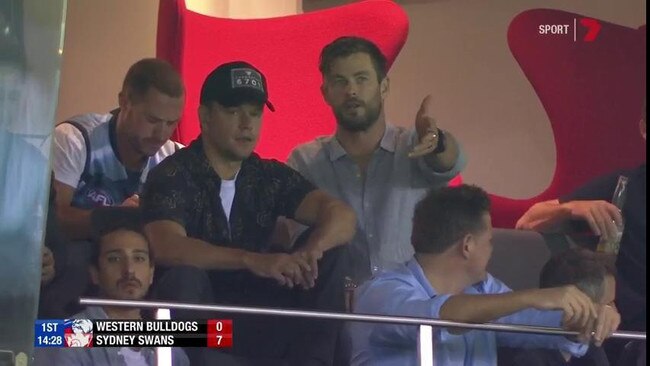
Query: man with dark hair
[[379, 169], [122, 268], [103, 159], [588, 209], [210, 210], [593, 274], [447, 279]]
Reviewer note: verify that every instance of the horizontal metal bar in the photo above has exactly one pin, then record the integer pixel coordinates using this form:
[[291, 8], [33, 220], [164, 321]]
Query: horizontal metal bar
[[344, 316]]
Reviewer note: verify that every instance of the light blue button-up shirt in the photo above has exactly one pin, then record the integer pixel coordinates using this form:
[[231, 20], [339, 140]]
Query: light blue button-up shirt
[[405, 291], [384, 202]]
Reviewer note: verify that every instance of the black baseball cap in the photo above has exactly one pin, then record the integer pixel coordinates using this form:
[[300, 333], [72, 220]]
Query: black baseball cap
[[235, 83]]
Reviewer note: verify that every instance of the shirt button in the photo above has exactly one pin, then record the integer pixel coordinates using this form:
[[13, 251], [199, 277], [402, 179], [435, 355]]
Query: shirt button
[[370, 236]]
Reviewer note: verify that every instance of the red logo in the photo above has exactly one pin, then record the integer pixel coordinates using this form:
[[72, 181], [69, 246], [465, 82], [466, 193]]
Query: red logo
[[593, 28], [78, 333]]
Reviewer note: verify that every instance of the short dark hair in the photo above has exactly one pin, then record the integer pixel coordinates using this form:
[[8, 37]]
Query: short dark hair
[[107, 220], [447, 214], [152, 73], [579, 267], [346, 46]]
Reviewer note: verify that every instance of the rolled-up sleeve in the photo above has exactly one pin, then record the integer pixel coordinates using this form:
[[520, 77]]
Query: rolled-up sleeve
[[398, 298], [533, 317], [442, 178]]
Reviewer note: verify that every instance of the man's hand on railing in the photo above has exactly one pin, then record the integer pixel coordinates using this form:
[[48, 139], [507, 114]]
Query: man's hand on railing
[[607, 323], [579, 312]]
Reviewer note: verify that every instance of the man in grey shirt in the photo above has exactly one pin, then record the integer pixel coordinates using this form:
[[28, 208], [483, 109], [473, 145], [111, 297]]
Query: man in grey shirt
[[379, 169]]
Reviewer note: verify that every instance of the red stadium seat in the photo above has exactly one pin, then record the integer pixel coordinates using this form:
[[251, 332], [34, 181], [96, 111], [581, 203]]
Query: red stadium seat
[[593, 93], [286, 49]]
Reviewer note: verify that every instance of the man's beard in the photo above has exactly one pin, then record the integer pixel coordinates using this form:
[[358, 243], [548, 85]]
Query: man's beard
[[358, 123]]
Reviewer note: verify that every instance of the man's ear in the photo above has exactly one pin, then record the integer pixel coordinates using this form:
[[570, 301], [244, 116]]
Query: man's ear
[[153, 269], [204, 115], [323, 91], [122, 99], [384, 87], [467, 245]]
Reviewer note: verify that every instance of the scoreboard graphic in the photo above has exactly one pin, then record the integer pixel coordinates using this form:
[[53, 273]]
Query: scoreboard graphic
[[214, 333]]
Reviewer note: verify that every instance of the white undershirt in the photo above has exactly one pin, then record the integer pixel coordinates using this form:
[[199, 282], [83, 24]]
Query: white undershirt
[[227, 194], [132, 357]]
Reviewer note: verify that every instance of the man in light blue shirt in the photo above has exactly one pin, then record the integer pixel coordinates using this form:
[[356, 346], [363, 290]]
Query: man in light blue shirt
[[379, 169], [447, 279]]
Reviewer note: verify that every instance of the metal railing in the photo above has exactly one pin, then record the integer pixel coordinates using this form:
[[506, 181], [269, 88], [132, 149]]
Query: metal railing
[[425, 339]]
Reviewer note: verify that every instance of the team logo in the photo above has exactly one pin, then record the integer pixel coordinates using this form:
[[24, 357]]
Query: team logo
[[78, 332]]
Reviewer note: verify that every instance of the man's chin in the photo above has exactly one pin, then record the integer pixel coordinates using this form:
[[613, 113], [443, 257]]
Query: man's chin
[[355, 125], [130, 295]]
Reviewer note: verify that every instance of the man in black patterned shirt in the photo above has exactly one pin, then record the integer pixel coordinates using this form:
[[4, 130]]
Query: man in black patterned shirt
[[211, 209]]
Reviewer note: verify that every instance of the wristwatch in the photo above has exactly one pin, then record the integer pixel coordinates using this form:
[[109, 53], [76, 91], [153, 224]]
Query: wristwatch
[[440, 147]]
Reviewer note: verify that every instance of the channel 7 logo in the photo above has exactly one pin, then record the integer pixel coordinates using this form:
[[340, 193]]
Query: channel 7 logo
[[592, 25]]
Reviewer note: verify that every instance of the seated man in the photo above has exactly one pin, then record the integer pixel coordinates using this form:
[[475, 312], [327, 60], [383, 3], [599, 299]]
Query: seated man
[[103, 159], [447, 279], [122, 269], [591, 273], [589, 206], [213, 206]]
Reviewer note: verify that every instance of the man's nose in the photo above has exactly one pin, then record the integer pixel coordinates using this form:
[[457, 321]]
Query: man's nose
[[352, 89], [245, 121], [128, 266]]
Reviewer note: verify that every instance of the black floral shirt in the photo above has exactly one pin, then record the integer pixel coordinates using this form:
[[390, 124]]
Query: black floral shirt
[[184, 188]]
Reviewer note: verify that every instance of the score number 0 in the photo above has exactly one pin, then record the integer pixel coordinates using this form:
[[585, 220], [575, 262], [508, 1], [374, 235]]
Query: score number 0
[[220, 333]]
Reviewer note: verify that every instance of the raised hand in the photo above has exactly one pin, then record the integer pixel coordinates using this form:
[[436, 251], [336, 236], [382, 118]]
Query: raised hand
[[427, 129], [603, 217]]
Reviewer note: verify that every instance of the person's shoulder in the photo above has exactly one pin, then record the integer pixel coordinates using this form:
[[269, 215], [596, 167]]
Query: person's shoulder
[[398, 275], [91, 312], [266, 165], [491, 285], [313, 147], [73, 129], [400, 132], [171, 164], [88, 121], [169, 148], [383, 286]]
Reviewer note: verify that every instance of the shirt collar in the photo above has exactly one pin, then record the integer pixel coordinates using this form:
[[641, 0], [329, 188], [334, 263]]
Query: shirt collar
[[204, 167], [388, 142], [96, 312], [418, 273]]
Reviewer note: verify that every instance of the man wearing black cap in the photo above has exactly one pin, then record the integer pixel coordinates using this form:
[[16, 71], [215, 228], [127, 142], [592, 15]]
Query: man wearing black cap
[[210, 210]]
